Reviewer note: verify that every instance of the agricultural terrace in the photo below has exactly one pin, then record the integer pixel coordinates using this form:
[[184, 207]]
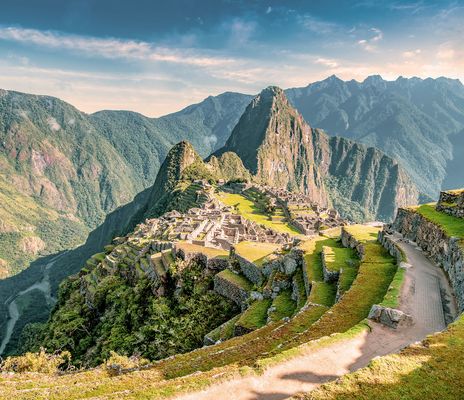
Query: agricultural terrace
[[255, 211]]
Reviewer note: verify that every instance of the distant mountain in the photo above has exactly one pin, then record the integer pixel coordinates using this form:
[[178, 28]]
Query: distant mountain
[[62, 171], [415, 121], [281, 149]]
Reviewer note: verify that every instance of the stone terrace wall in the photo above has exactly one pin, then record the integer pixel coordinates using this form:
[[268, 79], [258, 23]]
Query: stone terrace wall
[[389, 243], [443, 250], [230, 290], [452, 203], [349, 240]]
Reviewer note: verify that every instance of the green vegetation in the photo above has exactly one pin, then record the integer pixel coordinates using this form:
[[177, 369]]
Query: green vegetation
[[250, 210], [452, 226], [236, 279], [392, 297], [322, 293], [430, 370], [37, 362], [224, 331], [337, 258], [256, 252], [208, 251], [284, 306], [255, 316], [121, 315]]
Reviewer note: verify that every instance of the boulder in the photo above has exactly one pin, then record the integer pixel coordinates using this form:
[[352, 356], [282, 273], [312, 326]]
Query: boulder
[[390, 317]]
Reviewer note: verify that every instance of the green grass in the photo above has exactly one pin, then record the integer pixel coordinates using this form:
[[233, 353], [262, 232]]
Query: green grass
[[236, 279], [207, 251], [337, 258], [322, 293], [452, 226], [251, 211], [224, 331], [362, 232], [256, 252], [392, 297], [284, 306], [255, 315], [430, 370]]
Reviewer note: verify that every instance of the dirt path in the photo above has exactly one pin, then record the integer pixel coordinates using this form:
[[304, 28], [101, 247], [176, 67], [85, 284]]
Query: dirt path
[[425, 287], [13, 311]]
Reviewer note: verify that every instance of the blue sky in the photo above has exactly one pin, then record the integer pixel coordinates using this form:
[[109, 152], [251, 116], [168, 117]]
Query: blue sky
[[156, 57]]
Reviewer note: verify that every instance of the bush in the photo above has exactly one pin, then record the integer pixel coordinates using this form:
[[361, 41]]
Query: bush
[[116, 364], [37, 362]]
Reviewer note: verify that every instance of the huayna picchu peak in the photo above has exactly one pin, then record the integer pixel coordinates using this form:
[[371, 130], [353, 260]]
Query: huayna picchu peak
[[280, 149]]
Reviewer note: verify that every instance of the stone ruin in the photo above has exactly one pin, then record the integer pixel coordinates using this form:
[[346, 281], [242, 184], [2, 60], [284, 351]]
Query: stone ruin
[[305, 215], [451, 202]]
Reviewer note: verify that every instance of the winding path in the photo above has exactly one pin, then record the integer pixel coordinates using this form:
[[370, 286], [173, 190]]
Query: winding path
[[425, 295], [13, 311]]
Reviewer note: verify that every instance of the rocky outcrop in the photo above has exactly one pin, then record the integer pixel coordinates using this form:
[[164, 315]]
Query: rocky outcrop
[[448, 252], [390, 317]]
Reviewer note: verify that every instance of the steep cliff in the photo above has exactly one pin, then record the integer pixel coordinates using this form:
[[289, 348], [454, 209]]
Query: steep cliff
[[281, 149]]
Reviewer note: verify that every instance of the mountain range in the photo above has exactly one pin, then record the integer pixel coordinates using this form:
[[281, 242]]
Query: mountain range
[[271, 144]]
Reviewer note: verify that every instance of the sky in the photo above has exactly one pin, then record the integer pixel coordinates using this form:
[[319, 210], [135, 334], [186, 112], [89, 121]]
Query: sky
[[156, 57]]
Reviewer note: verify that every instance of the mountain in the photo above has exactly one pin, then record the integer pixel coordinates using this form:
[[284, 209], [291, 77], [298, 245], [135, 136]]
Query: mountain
[[174, 188], [62, 171], [415, 121], [280, 149]]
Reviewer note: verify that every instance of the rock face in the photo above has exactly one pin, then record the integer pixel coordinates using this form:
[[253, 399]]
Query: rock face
[[390, 317], [448, 252], [276, 145], [280, 149], [418, 122]]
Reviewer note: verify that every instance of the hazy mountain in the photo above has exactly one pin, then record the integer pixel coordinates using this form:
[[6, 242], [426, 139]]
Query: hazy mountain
[[415, 121]]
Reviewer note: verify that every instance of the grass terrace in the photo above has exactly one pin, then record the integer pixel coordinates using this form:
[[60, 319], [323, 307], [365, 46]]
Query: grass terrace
[[284, 306], [256, 252], [236, 279], [250, 210], [224, 331], [210, 252], [430, 370], [452, 226], [255, 316]]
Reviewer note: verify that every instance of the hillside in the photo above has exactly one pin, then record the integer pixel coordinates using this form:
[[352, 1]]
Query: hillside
[[280, 149], [415, 121], [67, 170]]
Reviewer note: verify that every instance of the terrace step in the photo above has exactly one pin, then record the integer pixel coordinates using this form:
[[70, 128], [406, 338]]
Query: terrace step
[[253, 318]]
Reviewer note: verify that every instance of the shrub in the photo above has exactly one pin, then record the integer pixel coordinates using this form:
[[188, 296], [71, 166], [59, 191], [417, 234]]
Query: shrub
[[116, 364], [37, 362]]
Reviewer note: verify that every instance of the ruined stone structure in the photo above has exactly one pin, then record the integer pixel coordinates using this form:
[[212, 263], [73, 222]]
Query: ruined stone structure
[[307, 216], [452, 202]]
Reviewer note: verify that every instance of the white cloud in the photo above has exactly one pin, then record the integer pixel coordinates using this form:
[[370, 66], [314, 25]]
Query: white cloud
[[114, 48], [371, 43], [317, 25], [327, 62], [268, 10], [411, 53]]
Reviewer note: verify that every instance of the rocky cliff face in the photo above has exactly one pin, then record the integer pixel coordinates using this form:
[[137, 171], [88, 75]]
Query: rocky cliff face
[[276, 145], [281, 149], [448, 252]]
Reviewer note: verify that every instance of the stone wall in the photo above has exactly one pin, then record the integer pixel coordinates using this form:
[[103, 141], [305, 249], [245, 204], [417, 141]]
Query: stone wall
[[231, 291], [448, 252], [387, 241], [329, 276], [452, 203], [349, 240], [250, 270]]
